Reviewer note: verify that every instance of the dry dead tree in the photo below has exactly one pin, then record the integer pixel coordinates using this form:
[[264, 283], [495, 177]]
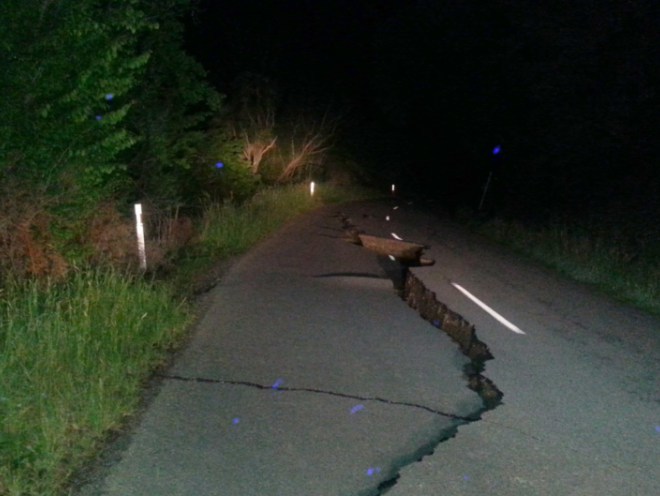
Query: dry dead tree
[[313, 146], [257, 135], [311, 150], [254, 151]]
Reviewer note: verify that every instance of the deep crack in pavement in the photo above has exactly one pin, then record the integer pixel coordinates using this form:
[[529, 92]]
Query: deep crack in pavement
[[413, 291], [464, 335]]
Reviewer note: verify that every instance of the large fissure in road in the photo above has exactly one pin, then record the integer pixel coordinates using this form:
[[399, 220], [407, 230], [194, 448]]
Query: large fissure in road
[[413, 291], [461, 331]]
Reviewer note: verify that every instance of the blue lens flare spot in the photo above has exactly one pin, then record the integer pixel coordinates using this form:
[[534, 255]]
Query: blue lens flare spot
[[219, 165], [277, 383], [657, 429], [99, 118], [466, 477], [109, 96], [371, 471], [436, 323], [357, 408], [497, 150], [236, 420]]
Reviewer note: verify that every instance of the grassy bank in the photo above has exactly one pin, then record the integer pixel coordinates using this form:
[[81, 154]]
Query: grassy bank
[[593, 255], [227, 230], [74, 356]]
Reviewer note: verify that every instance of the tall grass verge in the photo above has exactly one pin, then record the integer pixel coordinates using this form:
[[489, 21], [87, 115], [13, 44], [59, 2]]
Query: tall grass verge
[[228, 230], [74, 355], [73, 358], [592, 255]]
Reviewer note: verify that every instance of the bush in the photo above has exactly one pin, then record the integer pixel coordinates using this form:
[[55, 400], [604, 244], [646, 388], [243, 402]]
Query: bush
[[102, 106], [224, 174], [69, 68]]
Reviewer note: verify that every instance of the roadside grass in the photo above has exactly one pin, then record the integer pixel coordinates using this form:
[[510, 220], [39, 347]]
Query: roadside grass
[[230, 230], [75, 355], [593, 255], [73, 359], [227, 230]]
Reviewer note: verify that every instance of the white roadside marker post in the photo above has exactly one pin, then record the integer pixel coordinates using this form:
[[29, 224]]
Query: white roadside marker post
[[496, 153], [139, 229], [312, 188]]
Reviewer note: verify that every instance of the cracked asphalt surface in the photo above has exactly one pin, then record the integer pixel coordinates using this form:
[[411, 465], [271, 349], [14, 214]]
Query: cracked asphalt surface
[[307, 375], [580, 413]]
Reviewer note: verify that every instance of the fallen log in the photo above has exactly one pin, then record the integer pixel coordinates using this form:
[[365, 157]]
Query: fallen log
[[403, 251], [352, 235]]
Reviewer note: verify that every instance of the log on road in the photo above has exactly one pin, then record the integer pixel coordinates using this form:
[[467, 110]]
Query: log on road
[[404, 251]]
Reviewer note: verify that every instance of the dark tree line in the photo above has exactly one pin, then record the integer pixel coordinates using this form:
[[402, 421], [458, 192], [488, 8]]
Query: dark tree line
[[99, 100], [566, 88], [101, 107]]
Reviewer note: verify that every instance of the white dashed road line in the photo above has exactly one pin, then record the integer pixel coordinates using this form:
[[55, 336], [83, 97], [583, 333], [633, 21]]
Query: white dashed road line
[[489, 310]]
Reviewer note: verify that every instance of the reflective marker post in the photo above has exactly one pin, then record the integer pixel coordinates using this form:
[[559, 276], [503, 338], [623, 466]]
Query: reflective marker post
[[483, 195], [139, 229], [496, 152]]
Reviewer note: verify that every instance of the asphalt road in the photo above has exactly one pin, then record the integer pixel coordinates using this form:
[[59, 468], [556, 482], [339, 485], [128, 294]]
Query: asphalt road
[[580, 413], [308, 375]]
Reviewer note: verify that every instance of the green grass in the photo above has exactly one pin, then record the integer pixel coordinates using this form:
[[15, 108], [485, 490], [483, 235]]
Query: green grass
[[228, 230], [73, 359], [591, 255], [74, 356]]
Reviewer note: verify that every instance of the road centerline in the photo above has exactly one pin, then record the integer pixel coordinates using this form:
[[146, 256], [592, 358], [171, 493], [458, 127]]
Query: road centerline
[[488, 309]]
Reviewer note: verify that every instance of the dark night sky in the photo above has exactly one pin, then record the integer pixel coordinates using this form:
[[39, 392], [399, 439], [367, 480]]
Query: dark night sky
[[428, 88]]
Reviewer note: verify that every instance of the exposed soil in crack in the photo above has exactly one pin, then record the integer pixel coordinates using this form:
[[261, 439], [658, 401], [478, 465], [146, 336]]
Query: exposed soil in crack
[[413, 291], [424, 301], [461, 331]]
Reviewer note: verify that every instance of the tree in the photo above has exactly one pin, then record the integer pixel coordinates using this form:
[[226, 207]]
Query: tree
[[173, 108], [100, 103], [67, 72]]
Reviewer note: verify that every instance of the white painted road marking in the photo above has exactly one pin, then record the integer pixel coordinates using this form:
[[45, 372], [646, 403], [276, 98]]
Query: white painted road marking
[[489, 310]]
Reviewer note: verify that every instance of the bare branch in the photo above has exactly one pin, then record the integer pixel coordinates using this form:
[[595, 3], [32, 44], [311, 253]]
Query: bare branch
[[254, 152], [313, 146]]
